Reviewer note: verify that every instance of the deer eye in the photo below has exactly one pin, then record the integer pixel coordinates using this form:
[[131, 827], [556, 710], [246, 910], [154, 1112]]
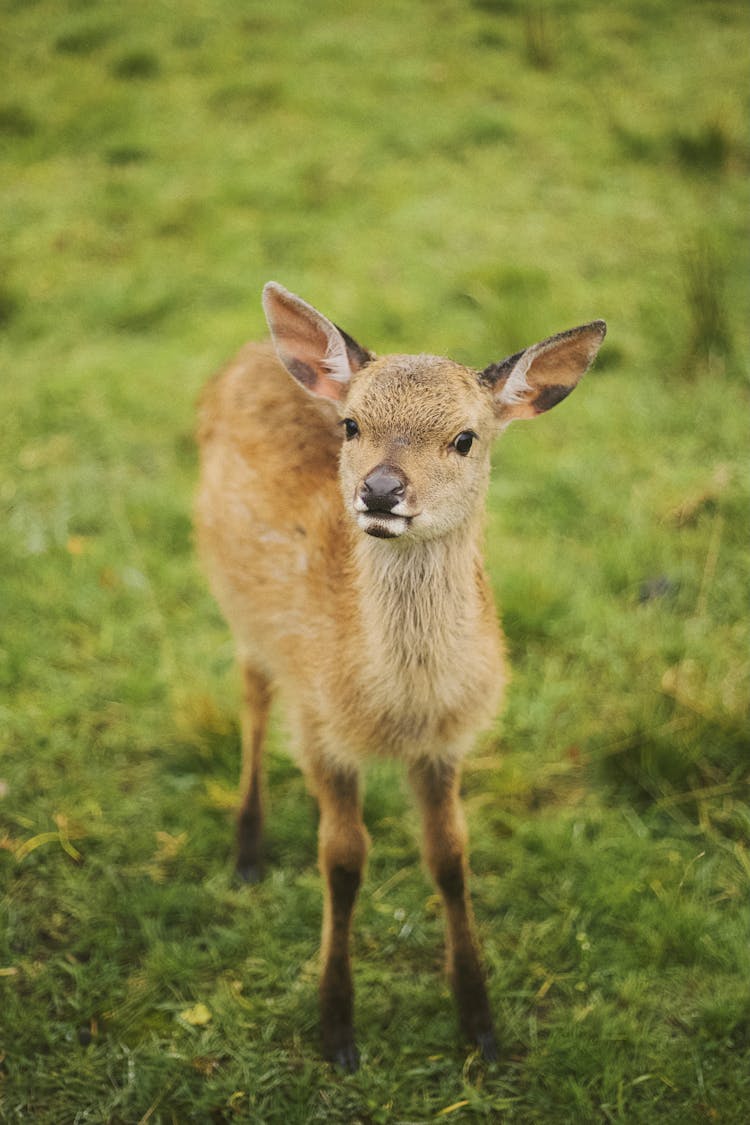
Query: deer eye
[[463, 443], [351, 429]]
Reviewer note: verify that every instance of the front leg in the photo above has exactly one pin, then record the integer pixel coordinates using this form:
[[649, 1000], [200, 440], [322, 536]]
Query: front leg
[[342, 848], [436, 785]]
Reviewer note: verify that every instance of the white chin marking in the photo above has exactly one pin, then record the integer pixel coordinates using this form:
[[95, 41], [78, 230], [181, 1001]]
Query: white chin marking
[[382, 526]]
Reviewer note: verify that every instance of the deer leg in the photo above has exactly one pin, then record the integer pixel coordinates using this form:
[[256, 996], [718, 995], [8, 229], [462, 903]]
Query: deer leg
[[436, 786], [342, 848], [257, 700]]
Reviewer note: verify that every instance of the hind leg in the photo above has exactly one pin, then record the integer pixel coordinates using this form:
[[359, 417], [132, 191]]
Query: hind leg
[[256, 703]]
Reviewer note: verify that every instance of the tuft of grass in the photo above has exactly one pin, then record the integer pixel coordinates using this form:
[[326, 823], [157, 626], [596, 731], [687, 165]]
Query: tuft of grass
[[710, 341], [10, 305], [635, 144], [121, 155], [136, 64], [539, 33], [16, 121], [707, 149], [241, 101], [83, 39]]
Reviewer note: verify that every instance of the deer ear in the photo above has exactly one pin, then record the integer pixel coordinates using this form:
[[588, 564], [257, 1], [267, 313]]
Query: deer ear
[[536, 379], [319, 355]]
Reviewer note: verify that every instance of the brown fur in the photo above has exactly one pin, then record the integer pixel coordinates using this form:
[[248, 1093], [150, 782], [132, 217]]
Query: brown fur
[[376, 630]]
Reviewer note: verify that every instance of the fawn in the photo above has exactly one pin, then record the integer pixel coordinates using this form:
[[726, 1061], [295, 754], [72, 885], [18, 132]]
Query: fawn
[[340, 520]]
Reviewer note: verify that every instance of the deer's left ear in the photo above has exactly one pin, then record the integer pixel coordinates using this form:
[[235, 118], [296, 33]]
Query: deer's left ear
[[536, 379]]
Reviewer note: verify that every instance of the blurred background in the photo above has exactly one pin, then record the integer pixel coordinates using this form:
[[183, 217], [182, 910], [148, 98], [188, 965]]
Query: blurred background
[[455, 176]]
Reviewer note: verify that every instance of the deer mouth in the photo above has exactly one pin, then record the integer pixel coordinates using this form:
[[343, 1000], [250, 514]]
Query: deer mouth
[[383, 525]]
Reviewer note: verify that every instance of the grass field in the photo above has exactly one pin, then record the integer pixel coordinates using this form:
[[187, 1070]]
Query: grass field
[[449, 176]]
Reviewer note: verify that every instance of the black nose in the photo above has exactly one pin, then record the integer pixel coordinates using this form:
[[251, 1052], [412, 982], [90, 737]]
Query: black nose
[[382, 489]]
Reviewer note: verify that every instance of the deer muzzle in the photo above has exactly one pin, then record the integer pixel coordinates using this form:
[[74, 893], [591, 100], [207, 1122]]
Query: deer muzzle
[[380, 502]]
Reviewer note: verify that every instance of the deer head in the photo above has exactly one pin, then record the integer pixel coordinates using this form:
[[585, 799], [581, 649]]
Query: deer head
[[417, 430]]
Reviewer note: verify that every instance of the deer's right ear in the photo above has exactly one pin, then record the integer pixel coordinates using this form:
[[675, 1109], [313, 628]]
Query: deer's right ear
[[319, 355]]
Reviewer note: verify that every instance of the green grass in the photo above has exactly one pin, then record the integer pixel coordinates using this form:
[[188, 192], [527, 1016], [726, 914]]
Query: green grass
[[453, 177]]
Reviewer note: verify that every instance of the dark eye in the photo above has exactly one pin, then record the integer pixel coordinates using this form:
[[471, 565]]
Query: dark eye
[[351, 429], [463, 443]]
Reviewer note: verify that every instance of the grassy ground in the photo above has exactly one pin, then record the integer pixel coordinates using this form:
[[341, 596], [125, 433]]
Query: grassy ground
[[449, 176]]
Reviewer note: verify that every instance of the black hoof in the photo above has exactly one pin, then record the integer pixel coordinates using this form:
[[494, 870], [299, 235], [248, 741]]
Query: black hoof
[[248, 873], [345, 1059], [487, 1045]]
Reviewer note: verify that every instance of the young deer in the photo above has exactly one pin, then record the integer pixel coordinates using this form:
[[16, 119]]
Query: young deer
[[340, 519]]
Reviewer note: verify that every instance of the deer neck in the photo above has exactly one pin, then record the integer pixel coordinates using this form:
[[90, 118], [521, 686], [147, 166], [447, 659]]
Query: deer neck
[[420, 603]]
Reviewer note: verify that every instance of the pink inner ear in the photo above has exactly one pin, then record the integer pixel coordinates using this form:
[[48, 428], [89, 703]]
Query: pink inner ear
[[306, 347], [564, 363], [302, 361], [306, 344], [330, 388], [546, 373], [305, 356]]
